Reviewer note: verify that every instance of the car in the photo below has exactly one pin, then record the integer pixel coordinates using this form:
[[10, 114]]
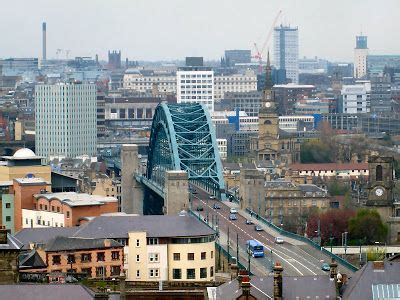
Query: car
[[199, 208], [212, 197], [233, 210], [249, 222], [216, 206], [325, 267], [232, 217], [258, 228], [279, 240]]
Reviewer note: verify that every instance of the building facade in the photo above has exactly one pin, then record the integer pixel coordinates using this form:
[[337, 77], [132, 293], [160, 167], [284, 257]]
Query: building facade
[[287, 95], [233, 57], [195, 85], [286, 51], [149, 82], [248, 102], [65, 123], [381, 98], [355, 99], [360, 56], [234, 83]]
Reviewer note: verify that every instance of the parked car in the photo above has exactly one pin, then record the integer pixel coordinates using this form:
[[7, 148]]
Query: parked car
[[232, 217], [199, 208], [216, 206], [258, 228], [212, 197], [233, 210], [279, 240], [249, 222], [325, 267]]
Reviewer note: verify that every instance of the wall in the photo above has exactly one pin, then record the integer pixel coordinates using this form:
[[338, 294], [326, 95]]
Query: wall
[[7, 212], [10, 173], [134, 250], [47, 219]]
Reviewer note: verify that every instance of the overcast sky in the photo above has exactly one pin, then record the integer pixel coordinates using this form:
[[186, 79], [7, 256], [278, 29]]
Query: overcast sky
[[173, 29]]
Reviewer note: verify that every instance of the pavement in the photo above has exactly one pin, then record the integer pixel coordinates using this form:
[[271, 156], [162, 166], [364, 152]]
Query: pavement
[[296, 257]]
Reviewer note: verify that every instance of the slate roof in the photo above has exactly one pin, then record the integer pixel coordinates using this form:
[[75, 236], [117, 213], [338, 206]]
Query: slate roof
[[45, 291], [61, 243], [43, 235], [155, 226], [304, 287], [77, 199], [363, 282], [31, 259], [12, 243]]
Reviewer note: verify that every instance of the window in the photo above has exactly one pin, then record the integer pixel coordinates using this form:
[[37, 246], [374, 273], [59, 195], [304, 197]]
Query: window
[[56, 259], [87, 271], [137, 273], [203, 272], [379, 173], [58, 209], [8, 205], [40, 206], [86, 257], [8, 218], [71, 258], [190, 256], [153, 257], [176, 273], [115, 255], [153, 273], [177, 256], [191, 274], [212, 254], [152, 241], [115, 270], [203, 255], [99, 271], [67, 214], [100, 256], [137, 257], [137, 243], [211, 271]]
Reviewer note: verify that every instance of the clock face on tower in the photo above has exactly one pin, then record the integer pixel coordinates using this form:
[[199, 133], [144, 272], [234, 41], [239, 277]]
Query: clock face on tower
[[268, 104], [379, 192]]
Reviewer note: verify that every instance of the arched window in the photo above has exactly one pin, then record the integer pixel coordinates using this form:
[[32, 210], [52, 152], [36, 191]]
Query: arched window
[[378, 172], [268, 122]]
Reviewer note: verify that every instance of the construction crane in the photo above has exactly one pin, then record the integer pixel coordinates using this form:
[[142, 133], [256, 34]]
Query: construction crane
[[259, 53]]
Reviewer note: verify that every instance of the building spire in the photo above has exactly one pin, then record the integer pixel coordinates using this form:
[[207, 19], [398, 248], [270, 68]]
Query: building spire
[[268, 74]]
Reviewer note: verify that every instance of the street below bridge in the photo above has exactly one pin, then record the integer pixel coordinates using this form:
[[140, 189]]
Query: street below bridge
[[297, 258]]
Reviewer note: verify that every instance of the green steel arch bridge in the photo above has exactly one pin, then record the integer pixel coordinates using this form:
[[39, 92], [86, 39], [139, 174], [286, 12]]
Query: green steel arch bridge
[[183, 138]]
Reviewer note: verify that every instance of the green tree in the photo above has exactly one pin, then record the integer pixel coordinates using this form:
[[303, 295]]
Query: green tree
[[336, 188], [368, 224], [315, 152]]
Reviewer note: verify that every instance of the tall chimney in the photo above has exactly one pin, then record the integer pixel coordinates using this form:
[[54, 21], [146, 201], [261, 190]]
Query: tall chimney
[[44, 40], [278, 281]]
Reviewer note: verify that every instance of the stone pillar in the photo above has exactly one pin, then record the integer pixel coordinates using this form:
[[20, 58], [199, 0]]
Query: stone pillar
[[278, 295], [251, 190], [176, 192], [132, 192]]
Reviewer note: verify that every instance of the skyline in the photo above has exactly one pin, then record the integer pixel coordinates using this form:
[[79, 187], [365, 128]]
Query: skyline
[[165, 30]]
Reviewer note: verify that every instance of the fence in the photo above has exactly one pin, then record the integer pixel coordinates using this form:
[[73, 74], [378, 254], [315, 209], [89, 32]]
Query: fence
[[305, 240]]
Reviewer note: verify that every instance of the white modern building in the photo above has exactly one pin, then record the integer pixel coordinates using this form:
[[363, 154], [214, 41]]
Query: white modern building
[[65, 119], [246, 82], [39, 218], [153, 83], [360, 57], [286, 51], [223, 148], [195, 85], [355, 99]]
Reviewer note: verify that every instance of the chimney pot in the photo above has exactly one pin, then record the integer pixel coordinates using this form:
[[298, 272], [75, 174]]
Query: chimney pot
[[378, 265]]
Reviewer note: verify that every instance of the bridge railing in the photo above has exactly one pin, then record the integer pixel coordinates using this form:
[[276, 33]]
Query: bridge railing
[[305, 240], [218, 247]]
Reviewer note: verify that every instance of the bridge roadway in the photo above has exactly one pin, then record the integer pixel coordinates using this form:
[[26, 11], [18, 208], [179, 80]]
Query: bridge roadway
[[297, 258]]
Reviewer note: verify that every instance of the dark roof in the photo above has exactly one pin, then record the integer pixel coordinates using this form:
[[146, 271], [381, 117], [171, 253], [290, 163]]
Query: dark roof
[[45, 291], [31, 259], [12, 243], [311, 188], [304, 287], [43, 235], [61, 243], [362, 284], [155, 226]]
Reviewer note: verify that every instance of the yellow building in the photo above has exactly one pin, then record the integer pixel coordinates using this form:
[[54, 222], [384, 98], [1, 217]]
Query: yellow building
[[24, 163]]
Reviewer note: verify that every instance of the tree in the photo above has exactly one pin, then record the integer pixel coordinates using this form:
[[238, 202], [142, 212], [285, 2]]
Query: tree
[[336, 188], [368, 224], [332, 224], [315, 152]]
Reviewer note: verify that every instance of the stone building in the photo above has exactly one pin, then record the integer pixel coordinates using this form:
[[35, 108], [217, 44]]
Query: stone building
[[273, 143], [9, 251]]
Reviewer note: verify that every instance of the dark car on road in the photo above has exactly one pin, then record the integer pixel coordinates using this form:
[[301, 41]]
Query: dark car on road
[[199, 208], [216, 206], [232, 217], [258, 228]]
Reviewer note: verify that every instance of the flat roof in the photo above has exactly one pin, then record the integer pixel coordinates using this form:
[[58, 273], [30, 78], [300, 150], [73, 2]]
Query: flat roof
[[31, 181]]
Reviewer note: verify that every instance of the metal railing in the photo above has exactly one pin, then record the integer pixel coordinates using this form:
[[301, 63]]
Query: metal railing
[[305, 240]]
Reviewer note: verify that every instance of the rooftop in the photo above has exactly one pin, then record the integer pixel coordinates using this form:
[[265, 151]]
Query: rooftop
[[22, 154], [77, 199], [30, 181], [61, 243], [329, 167], [12, 243]]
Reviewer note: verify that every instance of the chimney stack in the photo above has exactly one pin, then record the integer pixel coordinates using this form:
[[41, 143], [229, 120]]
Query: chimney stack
[[44, 41], [333, 269], [244, 283], [278, 269]]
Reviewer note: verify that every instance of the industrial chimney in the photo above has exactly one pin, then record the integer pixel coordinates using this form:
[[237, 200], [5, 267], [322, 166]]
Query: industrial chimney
[[44, 41]]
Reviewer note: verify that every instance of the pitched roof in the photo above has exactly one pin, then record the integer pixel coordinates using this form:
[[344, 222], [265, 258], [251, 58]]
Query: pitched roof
[[155, 226], [31, 259], [45, 291], [43, 235], [329, 167], [363, 282], [12, 243], [77, 199], [61, 243]]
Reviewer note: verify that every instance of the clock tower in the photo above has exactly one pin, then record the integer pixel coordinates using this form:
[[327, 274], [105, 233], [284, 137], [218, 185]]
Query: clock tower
[[380, 181]]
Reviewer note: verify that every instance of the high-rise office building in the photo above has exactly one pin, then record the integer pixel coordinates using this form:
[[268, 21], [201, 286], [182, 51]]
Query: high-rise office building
[[65, 119], [233, 57], [44, 56], [286, 51], [381, 97], [360, 57], [195, 85]]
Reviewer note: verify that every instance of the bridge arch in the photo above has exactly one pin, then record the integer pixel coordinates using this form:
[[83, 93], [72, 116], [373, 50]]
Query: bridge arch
[[182, 138]]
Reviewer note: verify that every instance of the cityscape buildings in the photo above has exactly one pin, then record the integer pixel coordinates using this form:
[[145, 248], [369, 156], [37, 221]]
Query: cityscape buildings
[[360, 57]]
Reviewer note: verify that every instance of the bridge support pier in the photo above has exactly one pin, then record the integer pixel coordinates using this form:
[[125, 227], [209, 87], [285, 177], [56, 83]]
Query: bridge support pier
[[132, 192], [176, 192]]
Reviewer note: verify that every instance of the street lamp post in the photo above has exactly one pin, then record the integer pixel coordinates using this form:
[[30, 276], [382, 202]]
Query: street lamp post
[[228, 247]]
